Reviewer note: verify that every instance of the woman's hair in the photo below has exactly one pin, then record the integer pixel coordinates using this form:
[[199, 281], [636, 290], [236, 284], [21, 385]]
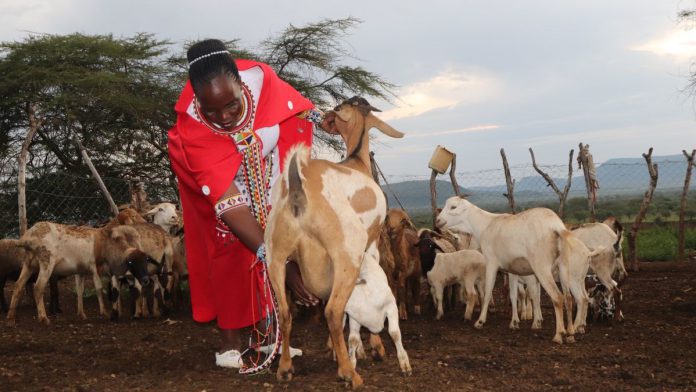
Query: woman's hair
[[208, 59]]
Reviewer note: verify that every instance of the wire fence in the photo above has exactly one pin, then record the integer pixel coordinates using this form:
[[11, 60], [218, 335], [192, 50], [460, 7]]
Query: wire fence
[[69, 199], [622, 183], [76, 199]]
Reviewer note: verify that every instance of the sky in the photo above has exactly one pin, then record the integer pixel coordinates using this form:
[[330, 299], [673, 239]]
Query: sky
[[473, 76]]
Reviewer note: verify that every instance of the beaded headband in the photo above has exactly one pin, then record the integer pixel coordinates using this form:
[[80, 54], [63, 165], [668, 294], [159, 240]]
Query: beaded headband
[[207, 55]]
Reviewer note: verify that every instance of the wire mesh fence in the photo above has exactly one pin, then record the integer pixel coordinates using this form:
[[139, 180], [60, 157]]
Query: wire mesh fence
[[76, 199], [622, 183], [69, 199]]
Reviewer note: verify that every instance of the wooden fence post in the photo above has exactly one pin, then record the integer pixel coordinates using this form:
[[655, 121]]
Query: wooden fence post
[[647, 198], [682, 208], [97, 177], [562, 196], [34, 125], [509, 181], [586, 162]]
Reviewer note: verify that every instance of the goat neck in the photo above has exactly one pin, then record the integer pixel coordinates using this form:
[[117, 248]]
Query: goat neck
[[358, 156], [479, 219]]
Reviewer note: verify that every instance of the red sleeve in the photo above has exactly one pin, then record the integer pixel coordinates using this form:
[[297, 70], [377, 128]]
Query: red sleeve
[[294, 130], [211, 160]]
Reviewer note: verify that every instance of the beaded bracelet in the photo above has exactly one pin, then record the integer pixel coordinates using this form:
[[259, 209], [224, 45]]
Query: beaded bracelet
[[314, 115], [228, 204]]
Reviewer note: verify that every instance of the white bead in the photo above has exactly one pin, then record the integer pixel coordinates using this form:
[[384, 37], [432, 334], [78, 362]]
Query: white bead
[[290, 105], [206, 190]]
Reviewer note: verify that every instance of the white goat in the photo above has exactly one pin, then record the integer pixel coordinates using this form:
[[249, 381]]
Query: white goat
[[525, 298], [466, 267], [371, 302], [594, 235], [165, 216], [522, 244]]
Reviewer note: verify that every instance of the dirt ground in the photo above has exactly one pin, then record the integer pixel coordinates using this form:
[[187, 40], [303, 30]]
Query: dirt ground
[[654, 349]]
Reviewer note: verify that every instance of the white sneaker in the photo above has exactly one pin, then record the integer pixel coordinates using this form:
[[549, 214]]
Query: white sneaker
[[229, 359], [294, 352]]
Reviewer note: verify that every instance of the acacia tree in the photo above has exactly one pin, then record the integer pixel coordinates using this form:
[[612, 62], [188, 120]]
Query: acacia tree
[[117, 96], [113, 94], [687, 17]]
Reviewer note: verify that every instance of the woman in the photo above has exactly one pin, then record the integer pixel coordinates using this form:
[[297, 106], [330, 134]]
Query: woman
[[235, 122]]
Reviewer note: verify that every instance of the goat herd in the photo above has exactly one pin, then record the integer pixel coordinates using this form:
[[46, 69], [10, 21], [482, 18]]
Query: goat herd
[[365, 262]]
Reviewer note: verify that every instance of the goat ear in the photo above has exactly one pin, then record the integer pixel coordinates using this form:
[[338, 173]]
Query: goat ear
[[383, 127], [344, 115]]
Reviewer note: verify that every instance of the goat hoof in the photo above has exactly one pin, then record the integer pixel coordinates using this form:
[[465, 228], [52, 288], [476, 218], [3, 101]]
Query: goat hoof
[[580, 329], [378, 354], [360, 353], [406, 369], [357, 381], [558, 339], [353, 377], [514, 325], [570, 339], [478, 325], [285, 375], [44, 320], [536, 325]]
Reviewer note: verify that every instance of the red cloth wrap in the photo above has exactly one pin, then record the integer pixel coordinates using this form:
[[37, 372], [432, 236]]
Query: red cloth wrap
[[220, 278]]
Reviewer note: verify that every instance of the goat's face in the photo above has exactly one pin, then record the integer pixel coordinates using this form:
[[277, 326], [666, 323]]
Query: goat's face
[[454, 215], [353, 117], [137, 264], [396, 222], [427, 248], [123, 246], [164, 215], [619, 266]]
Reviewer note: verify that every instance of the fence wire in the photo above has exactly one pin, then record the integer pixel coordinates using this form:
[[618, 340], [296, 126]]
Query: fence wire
[[69, 199], [76, 199]]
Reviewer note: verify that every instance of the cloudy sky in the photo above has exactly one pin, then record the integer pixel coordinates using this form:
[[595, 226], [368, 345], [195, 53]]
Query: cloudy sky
[[474, 76]]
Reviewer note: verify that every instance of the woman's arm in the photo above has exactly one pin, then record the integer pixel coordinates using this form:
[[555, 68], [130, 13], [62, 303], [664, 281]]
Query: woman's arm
[[244, 226]]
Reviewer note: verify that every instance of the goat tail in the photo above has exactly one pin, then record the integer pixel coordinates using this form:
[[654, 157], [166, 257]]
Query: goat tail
[[293, 181], [33, 249], [563, 247]]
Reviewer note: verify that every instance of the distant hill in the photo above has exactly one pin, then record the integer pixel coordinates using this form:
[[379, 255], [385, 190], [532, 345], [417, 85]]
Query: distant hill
[[416, 194], [619, 176]]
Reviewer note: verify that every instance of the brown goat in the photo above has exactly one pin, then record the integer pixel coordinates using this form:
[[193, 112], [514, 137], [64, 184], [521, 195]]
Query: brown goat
[[407, 270], [327, 216]]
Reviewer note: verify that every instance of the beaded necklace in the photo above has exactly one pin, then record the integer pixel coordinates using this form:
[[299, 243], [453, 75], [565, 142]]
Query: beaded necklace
[[256, 169]]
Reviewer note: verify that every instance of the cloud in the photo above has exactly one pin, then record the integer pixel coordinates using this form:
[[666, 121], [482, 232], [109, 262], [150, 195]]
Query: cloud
[[476, 128], [447, 89], [678, 43]]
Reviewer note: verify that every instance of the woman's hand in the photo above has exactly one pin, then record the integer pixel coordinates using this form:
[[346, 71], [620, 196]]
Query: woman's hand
[[293, 281]]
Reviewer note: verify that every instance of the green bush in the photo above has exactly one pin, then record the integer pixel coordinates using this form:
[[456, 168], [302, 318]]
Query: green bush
[[656, 244]]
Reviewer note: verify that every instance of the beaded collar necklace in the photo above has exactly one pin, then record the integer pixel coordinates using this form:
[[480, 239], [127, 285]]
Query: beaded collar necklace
[[246, 120]]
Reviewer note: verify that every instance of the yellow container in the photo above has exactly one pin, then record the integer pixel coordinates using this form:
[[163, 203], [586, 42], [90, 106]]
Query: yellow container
[[441, 159]]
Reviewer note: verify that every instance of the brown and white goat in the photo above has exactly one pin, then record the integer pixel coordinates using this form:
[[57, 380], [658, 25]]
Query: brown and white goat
[[12, 255], [407, 269], [157, 244], [327, 216], [73, 250]]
